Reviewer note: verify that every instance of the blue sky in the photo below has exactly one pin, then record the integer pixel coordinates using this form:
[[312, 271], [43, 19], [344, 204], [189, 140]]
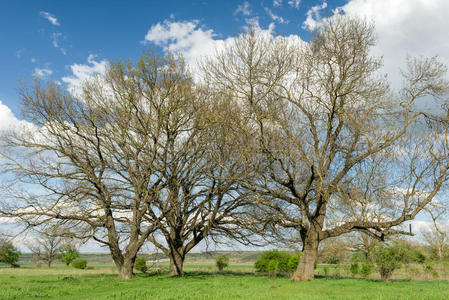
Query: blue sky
[[69, 41]]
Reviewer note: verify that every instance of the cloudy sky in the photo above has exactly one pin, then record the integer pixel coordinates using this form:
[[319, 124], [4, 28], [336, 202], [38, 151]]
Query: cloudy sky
[[69, 41]]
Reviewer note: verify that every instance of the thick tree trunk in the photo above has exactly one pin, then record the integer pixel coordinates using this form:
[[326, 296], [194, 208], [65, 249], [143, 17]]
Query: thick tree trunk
[[176, 263], [306, 267], [125, 270]]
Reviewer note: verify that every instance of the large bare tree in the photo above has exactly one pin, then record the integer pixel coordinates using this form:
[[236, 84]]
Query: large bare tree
[[91, 162], [135, 157], [333, 150]]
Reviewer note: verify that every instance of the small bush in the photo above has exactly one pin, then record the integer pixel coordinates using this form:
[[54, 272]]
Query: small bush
[[294, 261], [331, 260], [68, 254], [354, 269], [222, 261], [366, 270], [388, 258], [264, 259], [9, 253], [79, 264], [417, 256], [141, 264], [272, 267]]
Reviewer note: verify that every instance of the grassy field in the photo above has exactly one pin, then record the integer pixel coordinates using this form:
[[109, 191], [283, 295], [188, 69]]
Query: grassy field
[[196, 285], [99, 281]]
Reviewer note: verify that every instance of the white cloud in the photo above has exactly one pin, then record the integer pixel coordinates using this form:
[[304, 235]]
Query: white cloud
[[42, 73], [7, 119], [313, 16], [275, 17], [294, 3], [277, 3], [414, 27], [194, 42], [50, 17], [243, 9], [185, 37], [83, 72], [33, 60]]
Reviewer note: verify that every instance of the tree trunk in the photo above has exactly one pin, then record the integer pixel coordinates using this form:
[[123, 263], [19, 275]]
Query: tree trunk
[[306, 267], [125, 270], [176, 263], [49, 264]]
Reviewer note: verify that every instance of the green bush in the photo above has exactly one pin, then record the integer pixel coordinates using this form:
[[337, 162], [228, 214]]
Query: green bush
[[264, 259], [366, 269], [331, 260], [141, 264], [388, 258], [294, 261], [417, 256], [68, 254], [273, 267], [354, 269], [222, 261], [79, 264], [8, 253]]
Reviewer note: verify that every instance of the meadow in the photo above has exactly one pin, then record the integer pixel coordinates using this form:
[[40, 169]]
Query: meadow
[[202, 281]]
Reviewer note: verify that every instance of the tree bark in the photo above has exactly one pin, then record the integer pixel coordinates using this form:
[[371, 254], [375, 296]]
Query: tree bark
[[306, 267], [125, 270], [176, 263]]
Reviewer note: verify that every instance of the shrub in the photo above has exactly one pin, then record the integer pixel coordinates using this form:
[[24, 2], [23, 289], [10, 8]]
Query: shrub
[[294, 261], [366, 269], [354, 269], [273, 267], [8, 253], [417, 256], [222, 261], [141, 264], [388, 258], [264, 259], [79, 264], [68, 254], [331, 259]]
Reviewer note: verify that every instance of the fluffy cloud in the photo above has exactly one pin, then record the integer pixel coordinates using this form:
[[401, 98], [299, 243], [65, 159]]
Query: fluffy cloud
[[313, 16], [50, 17], [83, 72], [405, 27], [185, 37], [42, 73], [7, 119]]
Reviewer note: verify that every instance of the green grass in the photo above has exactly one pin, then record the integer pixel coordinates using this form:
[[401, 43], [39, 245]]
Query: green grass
[[196, 285]]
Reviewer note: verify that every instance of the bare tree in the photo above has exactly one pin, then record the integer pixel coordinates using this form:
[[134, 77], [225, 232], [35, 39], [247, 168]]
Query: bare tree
[[332, 149], [135, 157], [91, 159], [437, 238], [46, 245]]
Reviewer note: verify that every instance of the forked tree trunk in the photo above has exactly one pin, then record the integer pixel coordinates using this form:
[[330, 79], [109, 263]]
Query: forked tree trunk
[[306, 267], [176, 263], [125, 270]]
